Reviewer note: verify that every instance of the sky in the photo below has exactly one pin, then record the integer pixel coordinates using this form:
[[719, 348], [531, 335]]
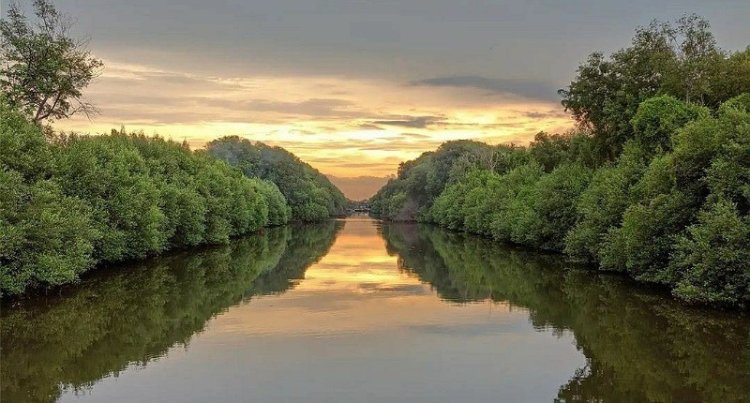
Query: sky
[[355, 87]]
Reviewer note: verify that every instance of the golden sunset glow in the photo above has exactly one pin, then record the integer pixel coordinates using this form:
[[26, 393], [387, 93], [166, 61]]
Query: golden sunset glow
[[342, 126], [355, 288]]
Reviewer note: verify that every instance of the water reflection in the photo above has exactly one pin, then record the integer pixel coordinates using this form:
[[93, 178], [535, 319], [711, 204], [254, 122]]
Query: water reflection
[[640, 346], [356, 310], [132, 315]]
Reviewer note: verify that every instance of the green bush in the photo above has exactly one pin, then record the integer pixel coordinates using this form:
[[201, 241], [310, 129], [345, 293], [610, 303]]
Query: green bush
[[654, 212], [309, 194], [658, 118], [712, 257], [70, 202], [46, 238], [602, 204]]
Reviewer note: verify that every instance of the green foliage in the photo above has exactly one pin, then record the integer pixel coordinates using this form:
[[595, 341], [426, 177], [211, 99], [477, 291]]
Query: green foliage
[[22, 147], [634, 215], [554, 150], [657, 118], [113, 177], [513, 188], [45, 236], [552, 207], [709, 163], [411, 194], [728, 175], [681, 60], [602, 204], [137, 313], [279, 212], [740, 102], [526, 206], [642, 244], [43, 68], [310, 195], [68, 205], [639, 347], [712, 257]]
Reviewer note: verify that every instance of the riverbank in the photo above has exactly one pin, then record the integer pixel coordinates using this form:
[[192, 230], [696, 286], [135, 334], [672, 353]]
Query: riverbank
[[74, 202], [675, 215]]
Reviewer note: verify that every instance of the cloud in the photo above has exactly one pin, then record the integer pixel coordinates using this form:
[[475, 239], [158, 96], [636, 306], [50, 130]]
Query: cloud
[[415, 135], [416, 122], [368, 126], [395, 144], [316, 107], [398, 145], [545, 115], [525, 88], [369, 129]]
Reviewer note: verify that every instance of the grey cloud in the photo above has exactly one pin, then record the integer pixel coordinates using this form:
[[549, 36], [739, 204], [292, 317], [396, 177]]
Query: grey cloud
[[190, 109], [401, 40], [372, 145], [543, 115], [417, 122], [524, 88], [368, 126]]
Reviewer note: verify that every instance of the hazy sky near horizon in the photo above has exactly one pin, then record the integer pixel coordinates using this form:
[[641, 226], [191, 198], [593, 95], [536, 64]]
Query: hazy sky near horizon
[[355, 87]]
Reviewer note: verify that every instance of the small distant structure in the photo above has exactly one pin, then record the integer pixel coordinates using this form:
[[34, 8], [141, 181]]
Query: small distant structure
[[361, 208]]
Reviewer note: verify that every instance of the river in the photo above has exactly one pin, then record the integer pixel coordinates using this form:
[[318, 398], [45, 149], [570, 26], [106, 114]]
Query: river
[[356, 310]]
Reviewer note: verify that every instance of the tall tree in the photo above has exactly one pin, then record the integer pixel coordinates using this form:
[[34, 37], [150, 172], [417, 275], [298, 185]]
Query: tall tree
[[680, 59], [42, 68]]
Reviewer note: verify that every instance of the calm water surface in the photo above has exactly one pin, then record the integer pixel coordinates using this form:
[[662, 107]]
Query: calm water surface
[[358, 311]]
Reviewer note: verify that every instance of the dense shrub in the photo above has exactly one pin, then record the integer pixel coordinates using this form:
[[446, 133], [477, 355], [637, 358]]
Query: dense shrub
[[602, 204], [655, 183], [657, 118], [45, 236], [654, 212], [310, 195], [712, 256], [70, 202]]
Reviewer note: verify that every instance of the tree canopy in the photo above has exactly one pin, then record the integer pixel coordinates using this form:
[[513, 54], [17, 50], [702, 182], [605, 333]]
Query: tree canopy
[[680, 59], [75, 201], [309, 193], [655, 182], [43, 70]]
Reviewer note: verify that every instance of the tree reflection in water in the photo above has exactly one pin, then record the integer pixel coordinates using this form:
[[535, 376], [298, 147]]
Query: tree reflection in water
[[640, 345], [130, 315]]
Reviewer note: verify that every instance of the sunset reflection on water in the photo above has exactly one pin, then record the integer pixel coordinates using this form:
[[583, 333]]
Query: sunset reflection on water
[[355, 288]]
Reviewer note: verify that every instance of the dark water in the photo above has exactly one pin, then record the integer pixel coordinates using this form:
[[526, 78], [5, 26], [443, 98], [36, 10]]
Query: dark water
[[358, 311]]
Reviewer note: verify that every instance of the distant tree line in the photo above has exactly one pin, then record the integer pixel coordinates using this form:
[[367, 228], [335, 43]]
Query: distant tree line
[[655, 183]]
